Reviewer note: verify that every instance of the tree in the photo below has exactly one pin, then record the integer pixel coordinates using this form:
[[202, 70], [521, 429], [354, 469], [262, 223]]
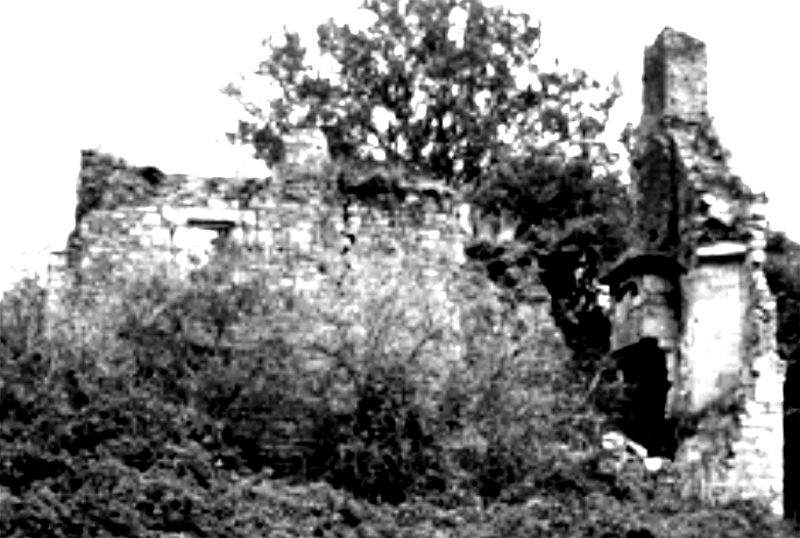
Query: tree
[[450, 88], [445, 86], [574, 220]]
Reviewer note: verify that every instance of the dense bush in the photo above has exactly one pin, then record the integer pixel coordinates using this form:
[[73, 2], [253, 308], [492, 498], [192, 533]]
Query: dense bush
[[155, 429]]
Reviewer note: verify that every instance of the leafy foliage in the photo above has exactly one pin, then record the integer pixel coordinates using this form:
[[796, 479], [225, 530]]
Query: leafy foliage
[[452, 89], [448, 87], [176, 436], [149, 414], [782, 267]]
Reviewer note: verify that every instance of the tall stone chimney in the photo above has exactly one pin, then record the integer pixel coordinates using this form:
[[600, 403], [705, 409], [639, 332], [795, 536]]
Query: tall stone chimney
[[675, 77], [712, 314], [667, 164]]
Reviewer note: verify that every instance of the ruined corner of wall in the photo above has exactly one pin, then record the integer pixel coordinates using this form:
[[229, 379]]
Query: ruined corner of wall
[[721, 336]]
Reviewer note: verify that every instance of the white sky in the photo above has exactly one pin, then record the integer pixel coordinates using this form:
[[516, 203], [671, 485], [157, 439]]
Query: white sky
[[141, 79]]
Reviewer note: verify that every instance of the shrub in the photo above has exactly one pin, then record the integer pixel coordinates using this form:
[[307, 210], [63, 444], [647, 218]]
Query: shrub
[[166, 431], [22, 317], [512, 404]]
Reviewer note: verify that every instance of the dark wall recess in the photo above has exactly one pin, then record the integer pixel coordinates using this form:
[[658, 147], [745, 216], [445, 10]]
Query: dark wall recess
[[643, 368]]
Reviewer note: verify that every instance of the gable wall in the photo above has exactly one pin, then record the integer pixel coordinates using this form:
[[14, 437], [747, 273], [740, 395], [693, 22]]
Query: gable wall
[[728, 378]]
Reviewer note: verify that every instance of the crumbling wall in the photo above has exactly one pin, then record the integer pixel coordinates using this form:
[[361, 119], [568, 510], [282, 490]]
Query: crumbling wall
[[310, 226], [757, 467], [129, 219], [716, 294], [647, 304], [728, 380]]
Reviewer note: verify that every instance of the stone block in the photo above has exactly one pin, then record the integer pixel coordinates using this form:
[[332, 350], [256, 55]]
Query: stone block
[[761, 283], [248, 218], [160, 237], [721, 249], [758, 256], [151, 218], [301, 235], [758, 234], [755, 408]]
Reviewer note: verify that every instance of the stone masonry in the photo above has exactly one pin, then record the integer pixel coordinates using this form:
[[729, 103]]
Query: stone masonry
[[694, 282], [690, 302], [304, 227]]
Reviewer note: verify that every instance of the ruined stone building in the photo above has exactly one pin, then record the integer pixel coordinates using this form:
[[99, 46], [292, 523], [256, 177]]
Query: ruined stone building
[[129, 217], [305, 226], [694, 323]]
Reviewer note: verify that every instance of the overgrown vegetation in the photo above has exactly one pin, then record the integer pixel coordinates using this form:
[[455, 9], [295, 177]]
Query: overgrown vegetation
[[151, 430], [215, 408], [452, 90]]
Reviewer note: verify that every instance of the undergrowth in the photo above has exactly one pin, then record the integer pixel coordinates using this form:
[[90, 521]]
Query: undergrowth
[[300, 419]]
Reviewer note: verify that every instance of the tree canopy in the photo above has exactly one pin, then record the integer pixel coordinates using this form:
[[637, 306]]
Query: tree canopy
[[452, 89], [446, 86]]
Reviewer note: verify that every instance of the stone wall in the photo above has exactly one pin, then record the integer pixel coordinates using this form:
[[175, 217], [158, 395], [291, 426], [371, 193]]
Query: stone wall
[[309, 226], [647, 297], [756, 468], [717, 296], [720, 337]]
